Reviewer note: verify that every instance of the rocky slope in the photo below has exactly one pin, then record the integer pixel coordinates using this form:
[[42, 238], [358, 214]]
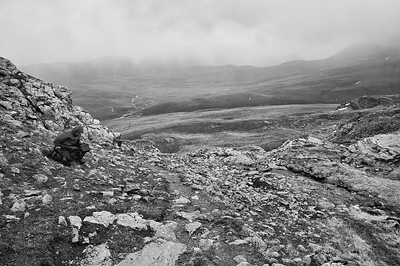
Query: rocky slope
[[312, 201]]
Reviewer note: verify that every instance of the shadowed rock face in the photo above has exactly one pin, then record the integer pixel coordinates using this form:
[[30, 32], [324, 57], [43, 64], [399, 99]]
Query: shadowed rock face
[[42, 105]]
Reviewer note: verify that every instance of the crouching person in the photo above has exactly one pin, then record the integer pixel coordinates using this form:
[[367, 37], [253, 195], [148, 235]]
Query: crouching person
[[68, 146]]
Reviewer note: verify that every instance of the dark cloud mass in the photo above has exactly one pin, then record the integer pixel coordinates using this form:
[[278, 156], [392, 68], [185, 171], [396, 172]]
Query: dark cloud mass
[[253, 32]]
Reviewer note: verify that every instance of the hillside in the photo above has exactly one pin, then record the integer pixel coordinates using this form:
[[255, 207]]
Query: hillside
[[314, 200], [110, 88]]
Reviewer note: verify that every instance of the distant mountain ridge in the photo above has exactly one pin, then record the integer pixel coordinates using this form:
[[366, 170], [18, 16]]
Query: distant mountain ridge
[[122, 67], [111, 87]]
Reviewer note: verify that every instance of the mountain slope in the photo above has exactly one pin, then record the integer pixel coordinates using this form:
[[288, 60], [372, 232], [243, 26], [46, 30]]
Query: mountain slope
[[308, 202]]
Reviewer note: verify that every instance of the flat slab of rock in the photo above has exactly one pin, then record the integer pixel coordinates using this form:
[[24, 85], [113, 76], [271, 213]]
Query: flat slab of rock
[[189, 215], [104, 218], [182, 200], [192, 227], [382, 147], [166, 231], [132, 220], [160, 253]]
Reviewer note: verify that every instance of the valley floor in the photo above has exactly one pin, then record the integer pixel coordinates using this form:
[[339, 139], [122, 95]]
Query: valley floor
[[264, 126]]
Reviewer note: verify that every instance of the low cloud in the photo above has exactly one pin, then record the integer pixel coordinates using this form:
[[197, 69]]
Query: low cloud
[[252, 32]]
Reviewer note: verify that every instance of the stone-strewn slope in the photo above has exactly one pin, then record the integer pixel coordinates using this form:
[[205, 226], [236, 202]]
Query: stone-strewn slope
[[43, 105]]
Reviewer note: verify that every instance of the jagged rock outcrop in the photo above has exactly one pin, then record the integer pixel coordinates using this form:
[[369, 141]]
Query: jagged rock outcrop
[[363, 167], [368, 123], [370, 101], [42, 105], [382, 147]]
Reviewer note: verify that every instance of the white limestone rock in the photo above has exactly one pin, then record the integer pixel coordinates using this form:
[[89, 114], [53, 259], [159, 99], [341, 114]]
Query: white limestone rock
[[159, 253]]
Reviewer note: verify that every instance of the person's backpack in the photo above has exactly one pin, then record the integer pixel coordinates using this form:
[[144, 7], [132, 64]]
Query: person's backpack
[[85, 147]]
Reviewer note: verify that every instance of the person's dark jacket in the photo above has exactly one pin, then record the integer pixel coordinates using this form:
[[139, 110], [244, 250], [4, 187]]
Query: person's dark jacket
[[69, 138]]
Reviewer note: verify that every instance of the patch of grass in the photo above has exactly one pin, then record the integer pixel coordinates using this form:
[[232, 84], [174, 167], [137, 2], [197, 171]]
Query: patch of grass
[[267, 126]]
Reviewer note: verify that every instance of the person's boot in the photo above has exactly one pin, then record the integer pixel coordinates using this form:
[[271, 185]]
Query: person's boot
[[66, 163]]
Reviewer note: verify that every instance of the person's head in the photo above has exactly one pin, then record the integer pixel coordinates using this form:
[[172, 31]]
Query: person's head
[[77, 131]]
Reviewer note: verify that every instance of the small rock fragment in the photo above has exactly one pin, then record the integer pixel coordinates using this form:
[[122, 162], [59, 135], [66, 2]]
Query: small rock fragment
[[192, 227], [30, 193], [182, 200], [19, 206], [189, 216], [107, 193], [301, 248], [10, 218], [97, 256], [239, 259], [206, 244], [325, 205], [197, 251], [15, 170], [132, 220], [166, 231], [239, 242], [75, 221], [47, 199], [62, 221], [104, 218], [196, 197], [75, 232], [40, 178]]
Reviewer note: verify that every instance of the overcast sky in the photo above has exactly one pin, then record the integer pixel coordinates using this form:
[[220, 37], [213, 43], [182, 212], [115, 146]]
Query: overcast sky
[[215, 32]]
